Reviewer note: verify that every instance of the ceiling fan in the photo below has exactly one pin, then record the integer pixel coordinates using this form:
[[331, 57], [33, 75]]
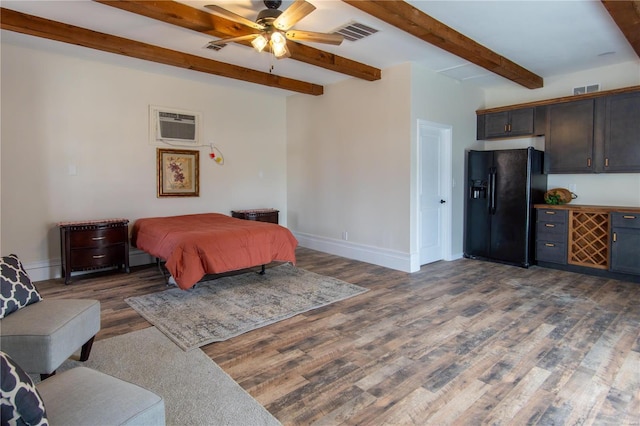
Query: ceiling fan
[[273, 27]]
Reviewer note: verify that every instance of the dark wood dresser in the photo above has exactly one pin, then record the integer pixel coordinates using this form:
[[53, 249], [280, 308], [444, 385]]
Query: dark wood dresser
[[261, 215], [94, 244]]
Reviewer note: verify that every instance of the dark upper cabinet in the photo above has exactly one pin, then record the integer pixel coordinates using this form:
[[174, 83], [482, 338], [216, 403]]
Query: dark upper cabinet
[[506, 124], [621, 151], [569, 138], [595, 134]]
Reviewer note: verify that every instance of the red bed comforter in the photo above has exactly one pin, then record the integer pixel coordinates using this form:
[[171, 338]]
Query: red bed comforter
[[211, 243]]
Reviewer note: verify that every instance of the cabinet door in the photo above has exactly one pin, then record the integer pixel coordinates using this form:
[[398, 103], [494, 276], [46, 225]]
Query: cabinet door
[[622, 133], [625, 250], [506, 124], [569, 137], [496, 125], [521, 122]]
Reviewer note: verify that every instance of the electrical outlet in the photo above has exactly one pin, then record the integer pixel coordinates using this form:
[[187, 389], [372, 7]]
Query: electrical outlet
[[572, 187], [345, 235]]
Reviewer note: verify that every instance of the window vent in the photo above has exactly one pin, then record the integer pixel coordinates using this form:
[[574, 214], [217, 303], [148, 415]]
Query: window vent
[[354, 31], [591, 88]]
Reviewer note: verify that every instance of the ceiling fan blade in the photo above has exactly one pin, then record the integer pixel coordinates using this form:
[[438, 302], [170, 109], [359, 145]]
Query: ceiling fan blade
[[298, 35], [223, 41], [298, 10], [234, 16]]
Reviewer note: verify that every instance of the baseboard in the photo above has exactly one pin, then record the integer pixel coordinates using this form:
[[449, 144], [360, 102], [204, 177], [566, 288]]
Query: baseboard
[[405, 262], [52, 269], [388, 258]]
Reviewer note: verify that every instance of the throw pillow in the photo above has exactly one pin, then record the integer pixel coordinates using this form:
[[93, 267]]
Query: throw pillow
[[20, 402], [16, 289]]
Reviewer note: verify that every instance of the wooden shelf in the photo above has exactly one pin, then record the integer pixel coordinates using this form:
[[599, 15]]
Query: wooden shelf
[[589, 238]]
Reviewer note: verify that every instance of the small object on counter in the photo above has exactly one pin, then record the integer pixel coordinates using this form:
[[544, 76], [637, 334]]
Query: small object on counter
[[558, 196]]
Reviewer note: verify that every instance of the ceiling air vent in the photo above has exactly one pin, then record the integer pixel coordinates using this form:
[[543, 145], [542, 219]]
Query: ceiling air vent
[[586, 89], [216, 47], [354, 31]]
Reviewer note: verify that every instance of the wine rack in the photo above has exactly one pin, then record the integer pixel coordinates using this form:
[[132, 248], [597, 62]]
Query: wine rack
[[589, 238]]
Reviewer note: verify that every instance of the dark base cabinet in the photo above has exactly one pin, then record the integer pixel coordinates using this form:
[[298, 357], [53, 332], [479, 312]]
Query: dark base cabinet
[[625, 243], [94, 245], [595, 240], [551, 236], [260, 215]]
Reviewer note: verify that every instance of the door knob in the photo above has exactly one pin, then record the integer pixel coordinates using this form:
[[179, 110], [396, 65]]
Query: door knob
[[442, 201]]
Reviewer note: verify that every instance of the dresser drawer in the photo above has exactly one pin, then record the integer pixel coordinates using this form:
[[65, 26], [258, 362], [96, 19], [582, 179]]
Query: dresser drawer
[[97, 257], [625, 220], [98, 237], [550, 231], [550, 251], [553, 216]]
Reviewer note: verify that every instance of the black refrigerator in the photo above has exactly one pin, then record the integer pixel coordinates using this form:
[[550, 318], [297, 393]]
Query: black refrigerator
[[501, 188]]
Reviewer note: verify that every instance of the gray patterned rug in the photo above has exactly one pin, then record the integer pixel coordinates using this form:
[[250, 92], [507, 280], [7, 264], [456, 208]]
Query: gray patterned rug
[[220, 309]]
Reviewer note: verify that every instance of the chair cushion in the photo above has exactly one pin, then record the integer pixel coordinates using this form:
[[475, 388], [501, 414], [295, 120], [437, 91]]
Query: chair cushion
[[42, 335], [82, 396], [20, 401], [16, 289]]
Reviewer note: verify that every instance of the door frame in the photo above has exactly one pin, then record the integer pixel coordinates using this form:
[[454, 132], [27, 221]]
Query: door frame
[[446, 182]]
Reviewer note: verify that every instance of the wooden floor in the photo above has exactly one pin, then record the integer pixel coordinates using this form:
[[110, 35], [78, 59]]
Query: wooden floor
[[464, 342]]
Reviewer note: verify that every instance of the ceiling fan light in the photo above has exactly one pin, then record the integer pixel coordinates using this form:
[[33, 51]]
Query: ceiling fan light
[[280, 51], [259, 43], [278, 39], [279, 45]]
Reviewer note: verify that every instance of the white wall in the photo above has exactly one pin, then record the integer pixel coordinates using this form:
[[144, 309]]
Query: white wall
[[611, 189], [442, 100], [352, 161], [348, 167], [84, 111]]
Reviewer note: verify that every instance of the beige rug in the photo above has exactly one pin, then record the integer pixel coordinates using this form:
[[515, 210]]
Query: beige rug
[[220, 309], [196, 391]]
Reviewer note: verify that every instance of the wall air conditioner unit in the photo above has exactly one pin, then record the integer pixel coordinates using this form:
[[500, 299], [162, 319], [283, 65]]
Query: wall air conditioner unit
[[173, 126]]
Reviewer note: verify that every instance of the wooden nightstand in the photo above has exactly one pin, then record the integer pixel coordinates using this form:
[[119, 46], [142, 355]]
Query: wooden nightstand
[[93, 244], [261, 215]]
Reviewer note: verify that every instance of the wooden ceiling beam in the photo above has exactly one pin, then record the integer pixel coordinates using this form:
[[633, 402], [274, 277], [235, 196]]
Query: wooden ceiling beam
[[45, 28], [415, 22], [202, 21], [626, 15]]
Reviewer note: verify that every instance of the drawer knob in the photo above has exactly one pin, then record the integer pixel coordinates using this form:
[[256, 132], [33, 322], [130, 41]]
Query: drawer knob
[[628, 217], [99, 256], [98, 238], [550, 245], [549, 225], [550, 212]]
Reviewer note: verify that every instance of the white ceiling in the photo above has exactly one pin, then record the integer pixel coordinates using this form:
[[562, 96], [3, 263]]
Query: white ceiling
[[546, 37]]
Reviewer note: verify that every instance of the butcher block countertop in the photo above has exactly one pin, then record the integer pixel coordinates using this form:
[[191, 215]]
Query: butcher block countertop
[[580, 207]]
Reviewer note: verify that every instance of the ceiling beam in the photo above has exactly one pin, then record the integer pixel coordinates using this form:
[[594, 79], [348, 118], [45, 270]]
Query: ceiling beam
[[415, 22], [45, 28], [626, 15], [202, 21]]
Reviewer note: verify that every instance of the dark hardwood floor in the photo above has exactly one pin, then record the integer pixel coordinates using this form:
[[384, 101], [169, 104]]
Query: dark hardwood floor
[[461, 342]]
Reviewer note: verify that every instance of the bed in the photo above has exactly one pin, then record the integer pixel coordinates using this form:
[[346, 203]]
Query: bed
[[211, 243]]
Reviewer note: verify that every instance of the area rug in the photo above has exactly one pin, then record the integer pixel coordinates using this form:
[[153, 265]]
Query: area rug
[[196, 390], [220, 309]]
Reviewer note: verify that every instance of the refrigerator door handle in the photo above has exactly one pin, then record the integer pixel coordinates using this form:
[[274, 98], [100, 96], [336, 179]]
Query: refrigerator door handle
[[489, 192], [492, 196]]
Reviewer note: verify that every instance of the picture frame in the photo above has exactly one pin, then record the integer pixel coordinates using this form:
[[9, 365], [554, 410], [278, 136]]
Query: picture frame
[[178, 172]]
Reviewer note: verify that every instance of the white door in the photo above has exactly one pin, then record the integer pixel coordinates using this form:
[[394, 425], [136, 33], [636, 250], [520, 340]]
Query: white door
[[433, 147]]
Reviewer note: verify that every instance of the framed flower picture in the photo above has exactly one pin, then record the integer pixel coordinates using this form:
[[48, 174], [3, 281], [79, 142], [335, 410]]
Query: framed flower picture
[[178, 173]]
